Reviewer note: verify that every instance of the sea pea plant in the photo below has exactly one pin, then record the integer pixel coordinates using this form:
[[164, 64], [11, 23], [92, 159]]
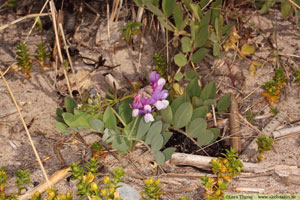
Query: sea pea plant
[[150, 117], [198, 27]]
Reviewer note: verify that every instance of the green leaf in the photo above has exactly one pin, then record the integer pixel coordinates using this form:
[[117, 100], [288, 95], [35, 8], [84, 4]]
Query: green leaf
[[109, 119], [153, 9], [205, 138], [196, 127], [159, 157], [142, 128], [167, 115], [216, 132], [96, 125], [197, 101], [154, 130], [157, 143], [70, 104], [267, 5], [125, 111], [216, 10], [178, 76], [76, 120], [186, 44], [178, 17], [286, 8], [209, 91], [216, 49], [121, 143], [193, 88], [199, 55], [59, 112], [209, 102], [62, 127], [183, 115], [177, 102], [138, 2], [199, 112], [196, 10], [168, 7], [190, 75], [168, 153], [166, 136], [201, 37], [180, 60], [224, 102]]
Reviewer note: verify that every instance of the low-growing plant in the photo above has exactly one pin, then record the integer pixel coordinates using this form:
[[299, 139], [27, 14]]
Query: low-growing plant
[[131, 28], [22, 178], [152, 189], [225, 168], [198, 27], [274, 87], [148, 117], [24, 59], [42, 55], [264, 144]]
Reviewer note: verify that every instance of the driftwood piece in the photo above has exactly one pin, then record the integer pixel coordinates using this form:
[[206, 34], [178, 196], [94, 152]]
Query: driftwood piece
[[56, 177], [204, 162], [285, 131], [235, 132], [251, 152]]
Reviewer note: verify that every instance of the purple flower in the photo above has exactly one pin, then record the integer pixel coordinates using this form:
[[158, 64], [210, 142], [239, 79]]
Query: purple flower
[[150, 98]]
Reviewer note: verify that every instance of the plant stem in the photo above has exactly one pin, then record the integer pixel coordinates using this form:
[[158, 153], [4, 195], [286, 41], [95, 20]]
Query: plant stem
[[131, 131], [119, 117]]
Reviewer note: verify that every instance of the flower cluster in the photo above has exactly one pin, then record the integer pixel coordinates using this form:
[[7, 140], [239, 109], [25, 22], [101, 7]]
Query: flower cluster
[[150, 98]]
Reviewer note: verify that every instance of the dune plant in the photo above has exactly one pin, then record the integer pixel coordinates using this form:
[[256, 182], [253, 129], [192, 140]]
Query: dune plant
[[149, 117]]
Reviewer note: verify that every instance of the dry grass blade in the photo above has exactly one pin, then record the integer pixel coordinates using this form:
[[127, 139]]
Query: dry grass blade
[[21, 19], [36, 20], [53, 14], [26, 130]]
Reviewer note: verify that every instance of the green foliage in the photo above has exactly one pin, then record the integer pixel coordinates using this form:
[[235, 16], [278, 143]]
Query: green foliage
[[11, 3], [297, 76], [264, 144], [132, 28], [151, 189], [225, 168], [191, 116], [22, 177], [42, 55], [160, 64], [24, 59], [274, 87], [285, 6], [198, 29]]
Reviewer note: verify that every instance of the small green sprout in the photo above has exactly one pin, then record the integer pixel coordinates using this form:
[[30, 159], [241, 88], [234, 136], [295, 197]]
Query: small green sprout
[[24, 59], [22, 177], [132, 28], [42, 55], [264, 144]]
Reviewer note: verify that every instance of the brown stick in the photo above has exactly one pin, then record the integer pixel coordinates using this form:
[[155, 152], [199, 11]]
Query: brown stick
[[204, 162], [56, 177], [235, 140]]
